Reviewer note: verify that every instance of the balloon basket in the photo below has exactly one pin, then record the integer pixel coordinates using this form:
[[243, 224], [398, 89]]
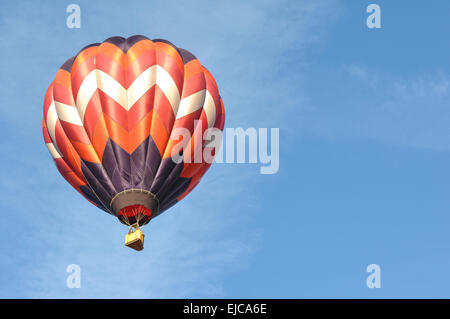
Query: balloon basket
[[135, 239]]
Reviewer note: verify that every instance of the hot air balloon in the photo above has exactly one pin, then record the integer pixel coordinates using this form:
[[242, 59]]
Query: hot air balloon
[[110, 117]]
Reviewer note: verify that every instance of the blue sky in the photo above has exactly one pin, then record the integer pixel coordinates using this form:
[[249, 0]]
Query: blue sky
[[364, 120]]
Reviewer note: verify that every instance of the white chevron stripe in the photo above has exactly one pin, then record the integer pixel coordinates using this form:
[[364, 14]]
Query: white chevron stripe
[[166, 83], [53, 151], [191, 103], [68, 113], [144, 82], [51, 119], [112, 88], [87, 89], [98, 79], [210, 109]]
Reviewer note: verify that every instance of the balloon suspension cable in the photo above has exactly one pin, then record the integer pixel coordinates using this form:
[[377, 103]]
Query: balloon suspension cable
[[135, 226], [138, 215], [126, 219]]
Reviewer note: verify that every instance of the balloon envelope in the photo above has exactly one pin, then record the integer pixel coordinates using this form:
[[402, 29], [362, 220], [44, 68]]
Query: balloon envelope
[[110, 122]]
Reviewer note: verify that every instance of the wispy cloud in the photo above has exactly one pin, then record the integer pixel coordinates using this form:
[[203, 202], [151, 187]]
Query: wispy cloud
[[409, 110]]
